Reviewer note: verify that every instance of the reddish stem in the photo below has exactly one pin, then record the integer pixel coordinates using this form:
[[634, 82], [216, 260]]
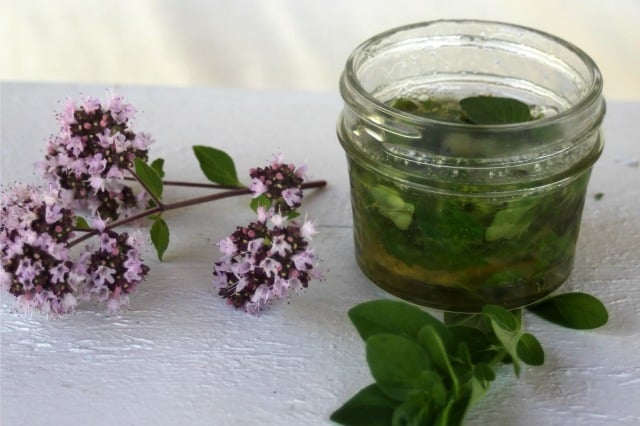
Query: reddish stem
[[191, 184], [180, 204]]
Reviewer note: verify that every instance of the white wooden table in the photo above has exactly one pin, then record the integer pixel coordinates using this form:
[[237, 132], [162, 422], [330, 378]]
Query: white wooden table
[[181, 356]]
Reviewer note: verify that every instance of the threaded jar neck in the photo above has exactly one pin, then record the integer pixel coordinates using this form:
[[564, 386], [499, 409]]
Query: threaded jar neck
[[454, 59]]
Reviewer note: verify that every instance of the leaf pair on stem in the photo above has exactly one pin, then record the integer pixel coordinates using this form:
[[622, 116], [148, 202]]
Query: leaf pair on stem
[[216, 165]]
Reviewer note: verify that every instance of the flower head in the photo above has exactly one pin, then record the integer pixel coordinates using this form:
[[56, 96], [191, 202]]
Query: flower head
[[89, 157], [262, 262], [115, 269], [280, 183], [36, 262]]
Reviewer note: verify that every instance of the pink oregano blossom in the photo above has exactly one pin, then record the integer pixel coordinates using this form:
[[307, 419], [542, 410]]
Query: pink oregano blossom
[[37, 266], [279, 183], [90, 156], [271, 257], [115, 269], [263, 261]]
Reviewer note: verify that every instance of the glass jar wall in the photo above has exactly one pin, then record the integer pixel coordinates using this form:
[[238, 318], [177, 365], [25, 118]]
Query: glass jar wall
[[453, 214]]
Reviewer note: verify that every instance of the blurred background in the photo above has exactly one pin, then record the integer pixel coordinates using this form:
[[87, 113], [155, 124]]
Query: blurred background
[[283, 44]]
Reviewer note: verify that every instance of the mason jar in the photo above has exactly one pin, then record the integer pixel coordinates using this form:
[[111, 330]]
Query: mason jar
[[454, 214]]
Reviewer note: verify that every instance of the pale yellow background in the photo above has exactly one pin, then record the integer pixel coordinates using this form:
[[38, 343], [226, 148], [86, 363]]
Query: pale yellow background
[[296, 44]]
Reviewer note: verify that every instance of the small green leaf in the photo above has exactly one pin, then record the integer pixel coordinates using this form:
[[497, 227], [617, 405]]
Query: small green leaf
[[396, 364], [580, 311], [530, 350], [495, 110], [149, 177], [395, 317], [392, 206], [510, 223], [81, 223], [261, 201], [405, 104], [506, 327], [216, 165], [431, 382], [370, 406], [432, 342], [417, 410], [453, 414], [481, 379], [509, 341], [293, 214], [501, 317], [478, 345], [158, 166], [160, 236]]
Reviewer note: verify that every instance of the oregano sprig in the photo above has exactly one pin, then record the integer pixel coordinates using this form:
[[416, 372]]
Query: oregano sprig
[[88, 168], [430, 372]]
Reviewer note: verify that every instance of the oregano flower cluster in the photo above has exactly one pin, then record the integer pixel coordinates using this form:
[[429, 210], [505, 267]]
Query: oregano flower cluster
[[91, 155], [46, 264], [38, 265], [278, 185], [115, 269], [265, 260]]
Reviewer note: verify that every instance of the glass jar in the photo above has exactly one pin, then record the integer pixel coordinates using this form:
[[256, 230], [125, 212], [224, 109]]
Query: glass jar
[[454, 215]]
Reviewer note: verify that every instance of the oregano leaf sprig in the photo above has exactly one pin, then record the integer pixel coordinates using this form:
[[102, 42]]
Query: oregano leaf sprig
[[430, 372]]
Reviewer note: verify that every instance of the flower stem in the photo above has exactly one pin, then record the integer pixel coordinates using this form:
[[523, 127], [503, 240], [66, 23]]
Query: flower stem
[[191, 184], [161, 207]]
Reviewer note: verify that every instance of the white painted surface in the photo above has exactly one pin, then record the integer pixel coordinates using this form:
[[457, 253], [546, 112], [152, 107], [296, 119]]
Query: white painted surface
[[181, 356]]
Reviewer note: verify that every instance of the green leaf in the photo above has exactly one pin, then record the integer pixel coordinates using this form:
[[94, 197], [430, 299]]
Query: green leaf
[[453, 414], [495, 110], [415, 411], [392, 206], [149, 177], [158, 166], [481, 379], [510, 223], [408, 413], [479, 346], [81, 223], [573, 310], [216, 165], [501, 317], [432, 342], [431, 383], [396, 364], [370, 406], [160, 236], [293, 214], [261, 201], [506, 327], [394, 317], [530, 350]]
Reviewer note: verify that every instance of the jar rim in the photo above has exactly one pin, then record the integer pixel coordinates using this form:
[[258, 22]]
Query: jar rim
[[353, 91]]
